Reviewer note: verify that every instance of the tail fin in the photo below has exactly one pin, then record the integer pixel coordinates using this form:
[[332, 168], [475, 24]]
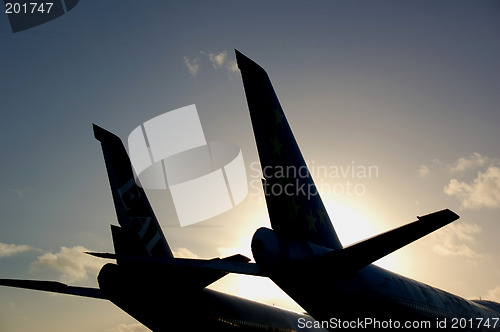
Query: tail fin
[[139, 234], [293, 202]]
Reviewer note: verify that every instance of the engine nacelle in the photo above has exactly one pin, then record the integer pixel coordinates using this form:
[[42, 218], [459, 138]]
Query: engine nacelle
[[271, 249]]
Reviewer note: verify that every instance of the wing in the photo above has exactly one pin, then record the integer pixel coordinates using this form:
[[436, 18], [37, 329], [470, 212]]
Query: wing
[[54, 287]]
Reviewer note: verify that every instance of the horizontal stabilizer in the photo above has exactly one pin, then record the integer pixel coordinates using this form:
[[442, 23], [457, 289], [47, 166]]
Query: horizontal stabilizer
[[360, 254], [54, 287], [233, 264]]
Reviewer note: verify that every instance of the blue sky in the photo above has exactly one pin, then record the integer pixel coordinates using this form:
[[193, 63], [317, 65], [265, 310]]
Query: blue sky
[[410, 87]]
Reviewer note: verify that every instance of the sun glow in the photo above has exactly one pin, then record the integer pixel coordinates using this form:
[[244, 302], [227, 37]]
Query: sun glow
[[351, 223], [354, 224], [259, 289]]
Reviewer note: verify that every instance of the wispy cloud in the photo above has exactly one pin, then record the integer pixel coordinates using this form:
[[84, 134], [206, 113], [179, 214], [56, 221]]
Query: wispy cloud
[[232, 66], [7, 250], [483, 191], [73, 264], [472, 161], [135, 327], [457, 240], [424, 171], [18, 192], [21, 192], [473, 179], [192, 65], [219, 60], [493, 294], [184, 253]]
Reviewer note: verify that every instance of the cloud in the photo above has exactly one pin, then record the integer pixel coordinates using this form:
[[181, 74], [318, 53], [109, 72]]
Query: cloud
[[18, 192], [21, 192], [473, 179], [473, 161], [184, 253], [73, 264], [217, 60], [136, 327], [7, 250], [455, 240], [484, 191], [232, 66], [424, 171], [493, 294], [221, 60], [192, 65]]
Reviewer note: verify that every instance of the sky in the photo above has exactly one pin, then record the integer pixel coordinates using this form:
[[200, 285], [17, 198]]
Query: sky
[[406, 88]]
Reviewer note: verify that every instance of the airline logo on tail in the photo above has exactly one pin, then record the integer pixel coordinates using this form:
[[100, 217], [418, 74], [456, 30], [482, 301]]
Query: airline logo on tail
[[171, 151]]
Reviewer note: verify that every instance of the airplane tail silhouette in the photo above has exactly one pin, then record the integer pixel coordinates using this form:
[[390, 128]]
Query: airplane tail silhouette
[[146, 269], [139, 233], [140, 246], [301, 229], [293, 201]]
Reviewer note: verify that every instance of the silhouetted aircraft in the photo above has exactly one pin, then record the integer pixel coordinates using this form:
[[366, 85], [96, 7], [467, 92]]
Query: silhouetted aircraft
[[302, 254], [162, 292]]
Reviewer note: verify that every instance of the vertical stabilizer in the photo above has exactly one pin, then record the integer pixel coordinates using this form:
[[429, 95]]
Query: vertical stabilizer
[[139, 234], [293, 202]]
